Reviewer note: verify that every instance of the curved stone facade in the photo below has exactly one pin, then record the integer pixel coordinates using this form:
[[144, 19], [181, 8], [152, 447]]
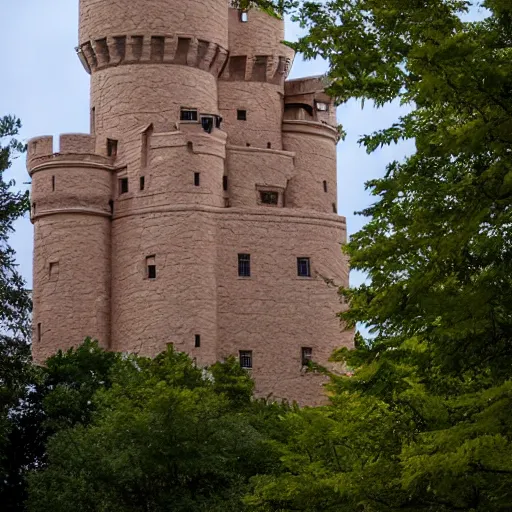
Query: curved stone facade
[[200, 211]]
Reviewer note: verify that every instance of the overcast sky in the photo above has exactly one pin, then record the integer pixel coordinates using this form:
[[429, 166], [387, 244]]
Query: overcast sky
[[43, 83]]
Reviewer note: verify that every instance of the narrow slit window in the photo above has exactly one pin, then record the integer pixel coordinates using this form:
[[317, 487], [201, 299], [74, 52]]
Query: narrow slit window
[[197, 179], [224, 183], [33, 208], [334, 208], [39, 331], [246, 359], [111, 206], [307, 355], [244, 265], [53, 183], [269, 197], [303, 267], [93, 120], [54, 271], [188, 114], [111, 147], [198, 340], [241, 115], [142, 182], [123, 186], [151, 267], [325, 186]]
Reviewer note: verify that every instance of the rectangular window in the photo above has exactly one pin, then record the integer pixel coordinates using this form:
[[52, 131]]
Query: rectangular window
[[93, 120], [123, 186], [53, 183], [307, 355], [39, 332], [207, 124], [246, 359], [54, 271], [325, 186], [142, 182], [111, 147], [241, 115], [197, 179], [269, 197], [303, 267], [198, 341], [224, 182], [244, 265], [151, 267], [334, 209], [188, 114]]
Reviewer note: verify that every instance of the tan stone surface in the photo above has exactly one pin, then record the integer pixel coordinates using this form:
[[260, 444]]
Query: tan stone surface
[[94, 242]]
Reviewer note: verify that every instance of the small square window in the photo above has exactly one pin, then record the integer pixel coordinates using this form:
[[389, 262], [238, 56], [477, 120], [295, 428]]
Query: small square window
[[188, 114], [198, 341], [197, 179], [269, 197], [123, 186], [303, 267], [246, 359], [142, 182], [111, 147], [151, 267], [244, 265], [241, 115], [244, 16], [307, 355]]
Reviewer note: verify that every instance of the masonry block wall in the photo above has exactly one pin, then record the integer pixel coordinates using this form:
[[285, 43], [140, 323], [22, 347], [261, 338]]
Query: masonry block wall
[[201, 209]]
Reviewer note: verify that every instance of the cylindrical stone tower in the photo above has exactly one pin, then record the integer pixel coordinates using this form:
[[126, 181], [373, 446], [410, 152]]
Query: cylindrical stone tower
[[201, 209]]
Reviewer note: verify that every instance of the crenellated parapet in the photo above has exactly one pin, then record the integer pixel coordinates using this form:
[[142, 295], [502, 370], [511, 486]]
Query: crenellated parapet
[[178, 49], [272, 69]]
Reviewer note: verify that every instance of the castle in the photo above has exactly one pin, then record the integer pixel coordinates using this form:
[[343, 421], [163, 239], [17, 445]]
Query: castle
[[201, 209]]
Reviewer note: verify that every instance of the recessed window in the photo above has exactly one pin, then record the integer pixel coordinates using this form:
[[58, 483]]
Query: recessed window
[[197, 179], [241, 115], [303, 267], [224, 182], [123, 186], [207, 123], [322, 107], [334, 208], [111, 147], [244, 265], [39, 331], [142, 182], [54, 271], [218, 122], [269, 197], [248, 144], [307, 355], [198, 341], [325, 186], [33, 208], [53, 183], [111, 206], [244, 16], [188, 114], [269, 145], [93, 120], [151, 267], [246, 359]]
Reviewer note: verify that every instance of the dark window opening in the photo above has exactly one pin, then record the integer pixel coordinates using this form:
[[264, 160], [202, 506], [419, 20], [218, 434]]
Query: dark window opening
[[207, 123], [307, 355], [244, 265], [142, 182], [151, 267], [53, 183], [303, 267], [93, 120], [33, 208], [247, 144], [197, 179], [218, 121], [198, 341], [268, 197], [123, 186], [111, 206], [39, 331], [111, 147], [246, 359], [244, 16], [241, 115], [334, 208], [54, 270], [224, 182], [269, 145], [189, 114], [325, 186]]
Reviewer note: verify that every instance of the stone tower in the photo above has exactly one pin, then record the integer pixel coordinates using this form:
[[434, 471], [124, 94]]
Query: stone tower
[[201, 209]]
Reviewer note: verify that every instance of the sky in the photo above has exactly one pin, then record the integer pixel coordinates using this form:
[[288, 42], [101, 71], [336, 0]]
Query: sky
[[43, 83]]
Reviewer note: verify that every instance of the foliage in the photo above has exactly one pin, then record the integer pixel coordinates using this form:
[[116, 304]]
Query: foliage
[[424, 423]]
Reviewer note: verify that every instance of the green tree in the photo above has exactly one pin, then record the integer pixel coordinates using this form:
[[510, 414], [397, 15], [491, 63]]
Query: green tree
[[164, 436], [424, 424]]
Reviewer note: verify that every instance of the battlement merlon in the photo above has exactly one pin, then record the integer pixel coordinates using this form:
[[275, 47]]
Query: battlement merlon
[[306, 99], [74, 147]]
